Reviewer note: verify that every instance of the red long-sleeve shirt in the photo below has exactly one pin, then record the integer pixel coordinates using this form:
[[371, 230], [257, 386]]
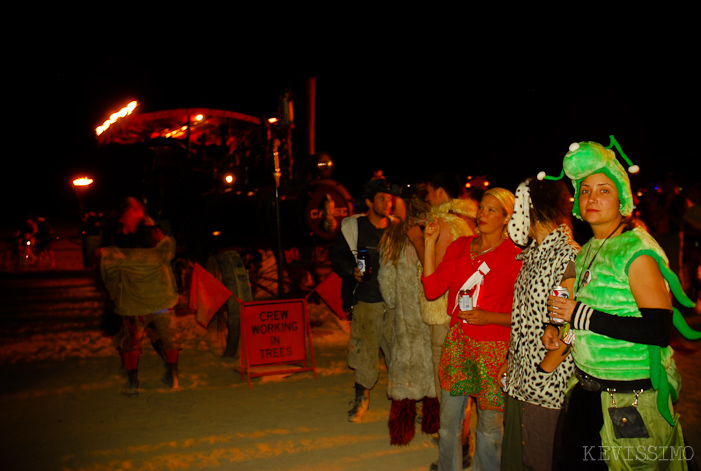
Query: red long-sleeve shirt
[[496, 292]]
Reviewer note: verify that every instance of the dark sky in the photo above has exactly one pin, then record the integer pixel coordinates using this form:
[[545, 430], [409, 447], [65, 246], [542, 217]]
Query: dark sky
[[405, 110]]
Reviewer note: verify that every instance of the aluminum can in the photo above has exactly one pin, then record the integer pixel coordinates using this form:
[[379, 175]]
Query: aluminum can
[[364, 264], [465, 300], [560, 292]]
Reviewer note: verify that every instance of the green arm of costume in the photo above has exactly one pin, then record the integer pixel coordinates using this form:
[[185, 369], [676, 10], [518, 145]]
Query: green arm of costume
[[658, 375], [676, 287]]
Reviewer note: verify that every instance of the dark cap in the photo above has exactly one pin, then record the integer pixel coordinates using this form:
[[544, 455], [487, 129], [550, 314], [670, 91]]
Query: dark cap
[[378, 185]]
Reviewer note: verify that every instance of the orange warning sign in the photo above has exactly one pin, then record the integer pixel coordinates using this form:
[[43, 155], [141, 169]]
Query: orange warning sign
[[275, 332]]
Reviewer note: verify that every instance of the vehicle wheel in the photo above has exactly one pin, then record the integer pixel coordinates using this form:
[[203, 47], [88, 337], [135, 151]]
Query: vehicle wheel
[[225, 328]]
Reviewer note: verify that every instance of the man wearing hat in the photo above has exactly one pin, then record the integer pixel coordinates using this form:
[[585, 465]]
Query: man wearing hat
[[369, 315]]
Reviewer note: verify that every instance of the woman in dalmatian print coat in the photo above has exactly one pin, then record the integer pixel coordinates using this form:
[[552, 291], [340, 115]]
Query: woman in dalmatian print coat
[[536, 378]]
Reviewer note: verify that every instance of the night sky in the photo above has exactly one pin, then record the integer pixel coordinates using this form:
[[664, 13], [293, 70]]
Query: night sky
[[407, 110]]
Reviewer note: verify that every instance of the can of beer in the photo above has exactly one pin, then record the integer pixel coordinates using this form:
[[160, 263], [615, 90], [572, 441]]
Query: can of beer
[[560, 292], [364, 264], [464, 300]]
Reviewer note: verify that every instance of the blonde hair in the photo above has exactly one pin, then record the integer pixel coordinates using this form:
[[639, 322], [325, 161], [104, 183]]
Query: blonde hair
[[394, 239], [507, 201], [505, 197]]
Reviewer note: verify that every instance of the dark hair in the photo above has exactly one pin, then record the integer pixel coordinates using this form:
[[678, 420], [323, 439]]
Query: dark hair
[[448, 181], [551, 202], [378, 185]]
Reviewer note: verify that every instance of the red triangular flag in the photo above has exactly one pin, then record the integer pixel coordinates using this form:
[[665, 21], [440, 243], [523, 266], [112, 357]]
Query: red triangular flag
[[330, 291], [207, 295]]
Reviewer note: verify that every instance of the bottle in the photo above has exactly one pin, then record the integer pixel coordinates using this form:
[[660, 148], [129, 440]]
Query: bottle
[[364, 264], [465, 300]]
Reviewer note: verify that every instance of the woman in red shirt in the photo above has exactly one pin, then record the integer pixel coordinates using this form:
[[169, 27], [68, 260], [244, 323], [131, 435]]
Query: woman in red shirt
[[475, 348]]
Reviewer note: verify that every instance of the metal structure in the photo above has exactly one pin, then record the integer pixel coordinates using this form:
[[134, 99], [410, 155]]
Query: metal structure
[[224, 182]]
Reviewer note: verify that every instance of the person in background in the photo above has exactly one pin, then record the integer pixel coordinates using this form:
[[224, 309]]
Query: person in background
[[483, 267], [370, 315], [692, 244], [410, 375], [456, 218], [536, 378], [45, 238], [137, 274]]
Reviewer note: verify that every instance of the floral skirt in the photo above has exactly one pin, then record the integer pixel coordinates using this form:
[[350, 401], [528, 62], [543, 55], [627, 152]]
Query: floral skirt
[[469, 368]]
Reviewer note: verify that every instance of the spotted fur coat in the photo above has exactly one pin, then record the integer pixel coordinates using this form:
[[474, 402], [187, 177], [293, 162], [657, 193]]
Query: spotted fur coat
[[542, 270]]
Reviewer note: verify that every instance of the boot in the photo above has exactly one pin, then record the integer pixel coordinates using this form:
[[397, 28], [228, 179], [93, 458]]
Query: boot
[[170, 377], [131, 387], [402, 417], [430, 423], [360, 405], [466, 458]]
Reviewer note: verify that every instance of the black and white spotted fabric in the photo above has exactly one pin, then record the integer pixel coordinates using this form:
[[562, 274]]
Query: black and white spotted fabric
[[542, 270], [520, 222]]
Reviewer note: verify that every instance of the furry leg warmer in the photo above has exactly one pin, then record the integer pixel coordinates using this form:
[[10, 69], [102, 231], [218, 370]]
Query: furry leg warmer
[[431, 415], [402, 415]]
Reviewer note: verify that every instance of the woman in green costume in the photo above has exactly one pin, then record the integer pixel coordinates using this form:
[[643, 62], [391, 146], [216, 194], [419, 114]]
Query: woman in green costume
[[619, 403]]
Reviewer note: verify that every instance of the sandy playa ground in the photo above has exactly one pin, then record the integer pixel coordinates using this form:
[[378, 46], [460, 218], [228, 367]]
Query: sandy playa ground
[[61, 409]]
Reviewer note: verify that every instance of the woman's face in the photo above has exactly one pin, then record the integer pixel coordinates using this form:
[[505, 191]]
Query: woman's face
[[598, 200], [490, 216]]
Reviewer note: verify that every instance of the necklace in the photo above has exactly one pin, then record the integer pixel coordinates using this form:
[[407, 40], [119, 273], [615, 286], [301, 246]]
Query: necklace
[[474, 254], [586, 276]]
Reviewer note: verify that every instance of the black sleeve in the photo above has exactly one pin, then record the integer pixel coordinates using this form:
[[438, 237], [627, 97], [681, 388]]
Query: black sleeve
[[342, 260], [653, 328]]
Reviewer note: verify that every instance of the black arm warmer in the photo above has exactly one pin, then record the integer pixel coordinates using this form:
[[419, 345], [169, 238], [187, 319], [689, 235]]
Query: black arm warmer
[[342, 259], [653, 328]]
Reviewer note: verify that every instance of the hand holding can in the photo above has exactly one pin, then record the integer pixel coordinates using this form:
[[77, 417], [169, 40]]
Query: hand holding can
[[364, 265], [560, 292]]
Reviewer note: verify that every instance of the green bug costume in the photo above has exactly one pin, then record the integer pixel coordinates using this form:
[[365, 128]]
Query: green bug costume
[[607, 262]]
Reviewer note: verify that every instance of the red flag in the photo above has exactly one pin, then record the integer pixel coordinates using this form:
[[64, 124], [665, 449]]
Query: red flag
[[330, 291], [207, 295]]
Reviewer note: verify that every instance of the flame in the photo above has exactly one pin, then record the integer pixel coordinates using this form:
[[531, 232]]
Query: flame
[[124, 112], [82, 181]]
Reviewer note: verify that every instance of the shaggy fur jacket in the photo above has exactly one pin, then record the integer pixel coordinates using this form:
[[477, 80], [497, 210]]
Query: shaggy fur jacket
[[410, 374]]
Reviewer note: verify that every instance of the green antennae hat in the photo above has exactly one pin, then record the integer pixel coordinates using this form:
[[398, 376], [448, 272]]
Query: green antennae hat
[[588, 158]]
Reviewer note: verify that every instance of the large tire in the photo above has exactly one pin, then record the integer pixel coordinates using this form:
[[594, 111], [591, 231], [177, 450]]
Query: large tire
[[225, 327]]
